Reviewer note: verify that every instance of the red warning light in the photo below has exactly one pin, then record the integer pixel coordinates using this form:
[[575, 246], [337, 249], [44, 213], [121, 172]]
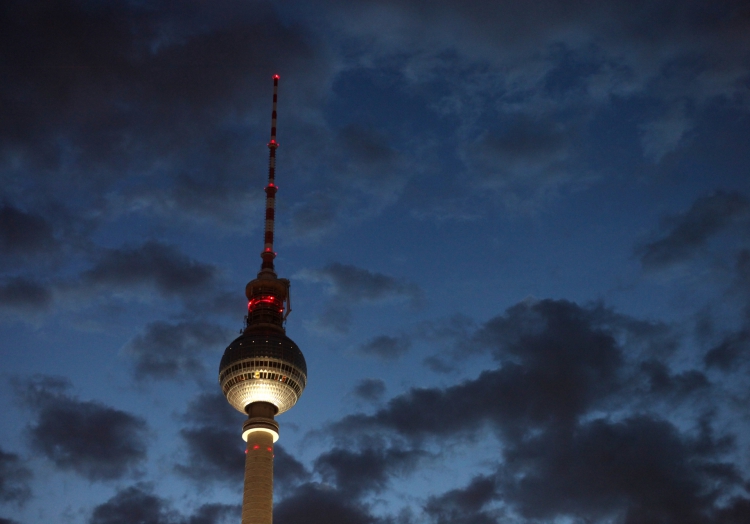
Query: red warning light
[[269, 449], [276, 77], [268, 299], [256, 447]]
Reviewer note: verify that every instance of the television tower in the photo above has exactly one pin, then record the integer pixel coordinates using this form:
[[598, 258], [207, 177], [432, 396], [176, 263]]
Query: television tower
[[263, 372]]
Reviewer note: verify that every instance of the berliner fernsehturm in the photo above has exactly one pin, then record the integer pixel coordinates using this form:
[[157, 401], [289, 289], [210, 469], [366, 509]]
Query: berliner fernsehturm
[[262, 372]]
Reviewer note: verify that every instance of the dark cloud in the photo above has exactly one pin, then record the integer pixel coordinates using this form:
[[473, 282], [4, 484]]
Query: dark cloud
[[554, 68], [452, 329], [742, 281], [336, 317], [556, 352], [24, 233], [315, 215], [664, 384], [527, 160], [35, 391], [153, 263], [134, 504], [362, 175], [743, 266], [212, 409], [614, 49], [736, 512], [688, 232], [557, 363], [22, 294], [168, 351], [370, 389], [98, 92], [350, 285], [367, 145], [139, 504], [224, 304], [422, 412], [664, 134], [216, 455], [14, 479], [365, 470], [438, 364], [213, 441], [288, 472], [464, 505], [640, 469], [452, 338], [563, 375], [8, 521], [215, 514], [317, 504], [731, 351], [386, 347], [91, 439], [374, 171]]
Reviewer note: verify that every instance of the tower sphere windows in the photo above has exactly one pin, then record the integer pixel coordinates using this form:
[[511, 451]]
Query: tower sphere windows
[[263, 366]]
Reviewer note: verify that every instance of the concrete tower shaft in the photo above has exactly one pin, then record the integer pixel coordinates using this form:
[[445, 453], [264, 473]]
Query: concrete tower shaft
[[257, 495]]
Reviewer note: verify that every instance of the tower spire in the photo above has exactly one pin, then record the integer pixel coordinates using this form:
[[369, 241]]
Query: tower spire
[[268, 254]]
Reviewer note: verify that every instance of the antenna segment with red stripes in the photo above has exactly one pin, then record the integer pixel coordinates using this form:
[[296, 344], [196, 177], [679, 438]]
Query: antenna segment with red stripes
[[268, 254]]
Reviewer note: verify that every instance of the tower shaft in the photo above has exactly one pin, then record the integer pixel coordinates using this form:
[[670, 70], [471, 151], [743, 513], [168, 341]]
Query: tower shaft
[[257, 498]]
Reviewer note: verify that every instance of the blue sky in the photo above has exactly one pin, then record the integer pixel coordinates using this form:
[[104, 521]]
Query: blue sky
[[518, 236]]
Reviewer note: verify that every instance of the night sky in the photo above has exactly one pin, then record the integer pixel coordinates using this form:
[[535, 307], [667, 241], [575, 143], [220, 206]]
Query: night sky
[[518, 236]]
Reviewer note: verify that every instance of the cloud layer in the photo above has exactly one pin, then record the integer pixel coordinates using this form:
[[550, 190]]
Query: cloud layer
[[138, 503], [14, 479], [350, 286], [172, 351], [96, 441], [552, 403], [687, 233], [540, 137]]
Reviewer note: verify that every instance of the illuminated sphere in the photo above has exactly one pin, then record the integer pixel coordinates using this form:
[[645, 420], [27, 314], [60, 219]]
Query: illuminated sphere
[[263, 366]]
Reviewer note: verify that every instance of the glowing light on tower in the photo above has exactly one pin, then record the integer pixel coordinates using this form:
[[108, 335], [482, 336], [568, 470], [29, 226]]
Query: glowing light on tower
[[263, 372]]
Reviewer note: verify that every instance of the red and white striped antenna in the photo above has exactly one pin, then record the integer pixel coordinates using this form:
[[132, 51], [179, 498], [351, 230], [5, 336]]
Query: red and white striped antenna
[[268, 254]]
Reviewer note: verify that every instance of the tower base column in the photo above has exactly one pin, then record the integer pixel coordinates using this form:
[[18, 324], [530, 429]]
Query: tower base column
[[257, 499]]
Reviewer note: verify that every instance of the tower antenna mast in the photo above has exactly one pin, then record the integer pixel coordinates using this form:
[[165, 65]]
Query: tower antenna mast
[[268, 254]]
